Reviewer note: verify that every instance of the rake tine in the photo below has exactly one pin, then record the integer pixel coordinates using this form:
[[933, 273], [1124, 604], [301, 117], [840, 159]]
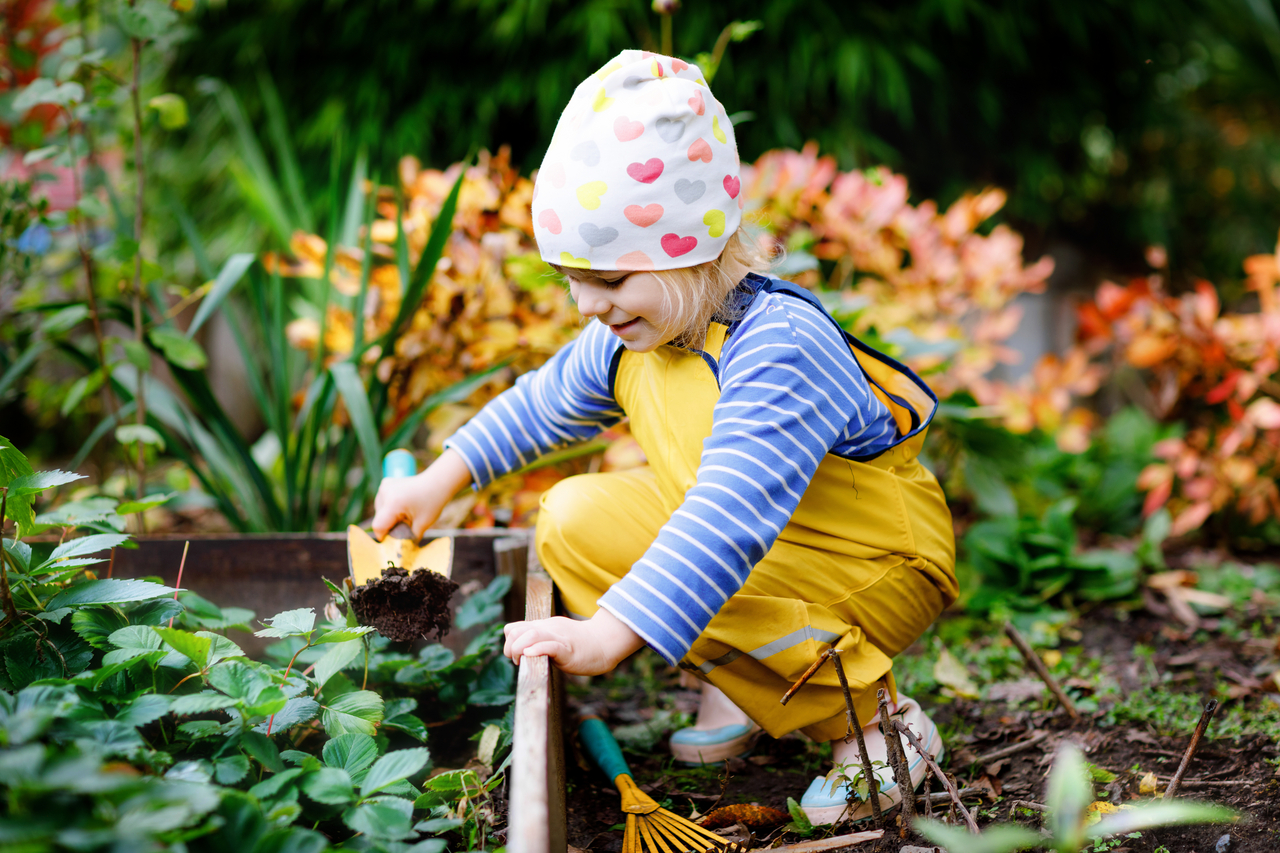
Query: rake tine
[[689, 832], [654, 841], [631, 840]]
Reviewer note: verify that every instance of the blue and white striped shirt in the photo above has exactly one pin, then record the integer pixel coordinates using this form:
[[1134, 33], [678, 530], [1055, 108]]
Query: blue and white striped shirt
[[790, 392]]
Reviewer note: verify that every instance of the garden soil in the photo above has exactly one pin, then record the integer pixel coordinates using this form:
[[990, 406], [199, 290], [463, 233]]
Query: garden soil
[[1240, 773], [405, 607]]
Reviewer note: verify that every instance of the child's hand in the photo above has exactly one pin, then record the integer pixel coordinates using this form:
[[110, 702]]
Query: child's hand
[[593, 647], [418, 500]]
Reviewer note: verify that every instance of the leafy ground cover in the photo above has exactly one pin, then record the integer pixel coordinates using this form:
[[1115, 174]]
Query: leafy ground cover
[[1138, 675]]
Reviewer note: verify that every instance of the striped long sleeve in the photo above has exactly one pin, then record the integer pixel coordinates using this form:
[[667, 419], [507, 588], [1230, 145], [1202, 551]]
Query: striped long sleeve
[[565, 401], [789, 393]]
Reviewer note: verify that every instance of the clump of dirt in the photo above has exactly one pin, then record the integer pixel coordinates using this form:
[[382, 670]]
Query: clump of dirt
[[403, 606]]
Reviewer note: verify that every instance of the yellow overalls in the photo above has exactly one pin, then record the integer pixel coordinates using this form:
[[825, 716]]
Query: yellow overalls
[[866, 563]]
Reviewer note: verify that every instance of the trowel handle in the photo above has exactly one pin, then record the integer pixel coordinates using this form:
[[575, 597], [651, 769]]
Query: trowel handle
[[399, 463]]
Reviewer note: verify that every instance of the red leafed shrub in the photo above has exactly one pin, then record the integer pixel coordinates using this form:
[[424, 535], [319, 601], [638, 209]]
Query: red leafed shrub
[[1215, 372]]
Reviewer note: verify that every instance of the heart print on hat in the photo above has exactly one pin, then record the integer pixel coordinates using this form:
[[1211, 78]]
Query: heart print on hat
[[625, 184]]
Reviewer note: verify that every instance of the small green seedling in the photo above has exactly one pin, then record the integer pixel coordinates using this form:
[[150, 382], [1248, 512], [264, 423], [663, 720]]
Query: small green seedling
[[1067, 820]]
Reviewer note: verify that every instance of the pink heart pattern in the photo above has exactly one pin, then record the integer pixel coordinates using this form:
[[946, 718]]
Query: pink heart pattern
[[675, 245], [643, 216], [627, 130], [646, 172], [548, 220], [700, 150], [652, 120]]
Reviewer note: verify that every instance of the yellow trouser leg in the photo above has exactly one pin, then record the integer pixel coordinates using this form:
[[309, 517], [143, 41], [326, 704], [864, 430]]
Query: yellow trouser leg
[[592, 528]]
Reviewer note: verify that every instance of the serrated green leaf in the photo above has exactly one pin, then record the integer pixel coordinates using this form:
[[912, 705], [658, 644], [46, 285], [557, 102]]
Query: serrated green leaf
[[230, 770], [394, 766], [352, 752], [356, 712], [83, 546], [297, 710], [147, 708], [96, 625], [336, 659], [31, 484], [329, 785], [239, 680], [291, 623], [109, 591], [263, 749], [342, 635], [201, 703], [389, 819], [194, 647], [149, 502]]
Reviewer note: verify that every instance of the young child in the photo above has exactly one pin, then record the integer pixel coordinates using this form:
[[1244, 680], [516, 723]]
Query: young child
[[783, 510]]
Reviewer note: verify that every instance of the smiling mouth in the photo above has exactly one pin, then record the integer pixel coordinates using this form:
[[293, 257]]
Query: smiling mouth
[[622, 327]]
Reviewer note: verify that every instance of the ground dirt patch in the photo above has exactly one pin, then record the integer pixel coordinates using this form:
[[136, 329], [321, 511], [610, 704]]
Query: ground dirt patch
[[1139, 683]]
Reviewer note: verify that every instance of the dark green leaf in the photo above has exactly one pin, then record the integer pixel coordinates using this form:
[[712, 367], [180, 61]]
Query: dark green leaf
[[263, 749], [393, 767], [297, 710], [329, 785], [109, 591], [388, 819], [352, 752], [356, 712], [195, 648], [179, 349]]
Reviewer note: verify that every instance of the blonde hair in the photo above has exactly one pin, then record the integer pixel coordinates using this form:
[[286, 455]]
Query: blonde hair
[[696, 295]]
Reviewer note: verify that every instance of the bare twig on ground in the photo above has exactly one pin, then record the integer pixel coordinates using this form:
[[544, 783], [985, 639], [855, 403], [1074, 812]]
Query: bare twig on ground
[[808, 673], [937, 771], [1041, 670], [835, 842], [873, 783], [1027, 804], [939, 797], [1012, 749], [898, 761], [1207, 715]]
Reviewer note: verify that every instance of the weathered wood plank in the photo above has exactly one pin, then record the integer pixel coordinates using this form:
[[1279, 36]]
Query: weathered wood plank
[[536, 814]]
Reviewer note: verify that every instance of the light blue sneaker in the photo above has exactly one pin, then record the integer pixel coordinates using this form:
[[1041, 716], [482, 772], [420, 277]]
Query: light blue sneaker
[[826, 802], [711, 746]]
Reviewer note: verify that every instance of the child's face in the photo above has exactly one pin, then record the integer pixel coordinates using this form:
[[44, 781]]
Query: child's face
[[633, 305]]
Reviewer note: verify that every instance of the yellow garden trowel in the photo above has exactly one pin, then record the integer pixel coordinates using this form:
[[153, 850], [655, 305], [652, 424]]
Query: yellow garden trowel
[[367, 557]]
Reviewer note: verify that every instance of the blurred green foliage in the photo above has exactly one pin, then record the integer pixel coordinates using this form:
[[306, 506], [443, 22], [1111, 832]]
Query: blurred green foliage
[[1113, 124]]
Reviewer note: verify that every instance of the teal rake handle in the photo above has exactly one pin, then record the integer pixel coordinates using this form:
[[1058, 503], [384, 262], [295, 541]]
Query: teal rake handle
[[598, 741]]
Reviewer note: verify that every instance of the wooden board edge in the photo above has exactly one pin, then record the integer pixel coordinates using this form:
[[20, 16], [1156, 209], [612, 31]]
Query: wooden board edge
[[536, 813]]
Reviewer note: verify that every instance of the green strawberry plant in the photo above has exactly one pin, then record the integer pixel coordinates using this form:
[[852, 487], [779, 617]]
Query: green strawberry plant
[[129, 719]]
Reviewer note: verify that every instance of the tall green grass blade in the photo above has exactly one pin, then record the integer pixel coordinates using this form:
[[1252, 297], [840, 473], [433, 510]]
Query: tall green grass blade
[[278, 129], [458, 391], [356, 396], [354, 210], [191, 232], [402, 243], [257, 385], [366, 270], [254, 176], [104, 427], [232, 271], [21, 365], [440, 232]]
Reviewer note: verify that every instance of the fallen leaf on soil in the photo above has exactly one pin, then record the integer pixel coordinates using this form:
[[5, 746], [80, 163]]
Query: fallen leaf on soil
[[736, 834], [1172, 580], [1014, 692], [1147, 784], [952, 674], [756, 817]]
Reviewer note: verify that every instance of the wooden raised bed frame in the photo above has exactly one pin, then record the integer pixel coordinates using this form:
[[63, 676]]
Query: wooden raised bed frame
[[269, 573]]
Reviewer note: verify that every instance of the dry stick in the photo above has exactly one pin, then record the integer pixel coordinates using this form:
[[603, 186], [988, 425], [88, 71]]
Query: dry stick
[[937, 771], [937, 798], [1207, 715], [898, 761], [808, 673], [135, 97], [1041, 670], [181, 566], [873, 784], [1012, 749]]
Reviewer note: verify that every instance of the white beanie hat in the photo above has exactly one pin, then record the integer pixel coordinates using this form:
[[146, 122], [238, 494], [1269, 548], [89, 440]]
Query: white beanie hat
[[642, 172]]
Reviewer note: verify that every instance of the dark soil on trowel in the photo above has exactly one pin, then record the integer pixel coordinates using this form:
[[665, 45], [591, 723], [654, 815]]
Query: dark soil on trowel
[[405, 607], [1240, 773]]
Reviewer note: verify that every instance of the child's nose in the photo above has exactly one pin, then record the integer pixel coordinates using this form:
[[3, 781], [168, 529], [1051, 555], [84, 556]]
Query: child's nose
[[591, 302]]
